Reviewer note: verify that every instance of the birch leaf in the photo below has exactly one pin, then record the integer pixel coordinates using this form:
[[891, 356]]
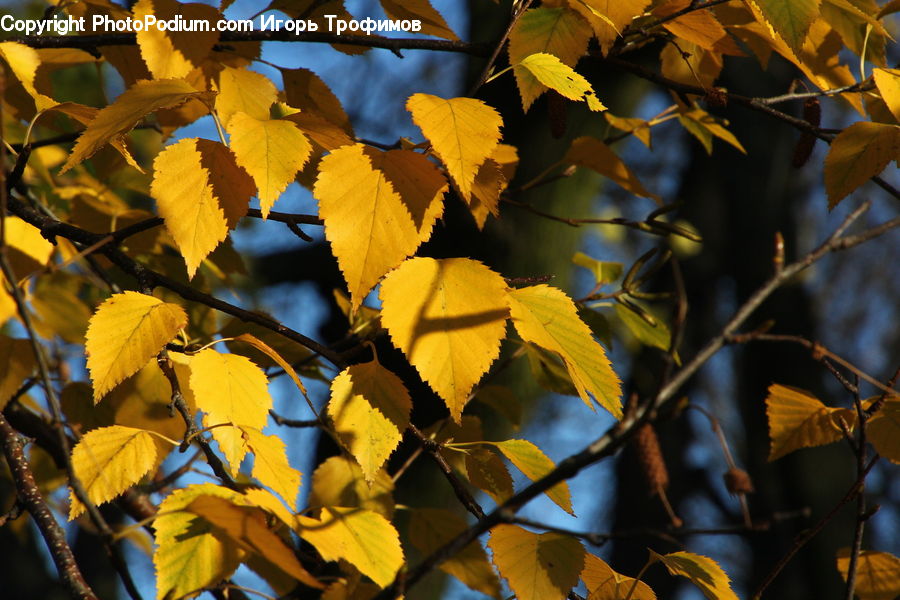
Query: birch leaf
[[798, 420], [703, 572], [271, 150], [556, 75], [545, 316], [125, 333], [529, 459], [789, 20], [877, 574], [448, 317], [24, 62], [422, 10], [230, 389], [175, 53], [271, 466], [590, 152], [370, 408], [242, 90], [537, 566], [378, 208], [463, 131], [110, 460], [117, 119], [201, 193], [361, 537], [857, 154]]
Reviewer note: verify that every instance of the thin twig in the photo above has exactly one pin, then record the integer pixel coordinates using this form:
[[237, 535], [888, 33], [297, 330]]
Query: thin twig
[[432, 448]]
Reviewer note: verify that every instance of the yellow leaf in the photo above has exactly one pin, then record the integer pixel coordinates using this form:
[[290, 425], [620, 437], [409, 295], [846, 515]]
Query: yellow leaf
[[125, 333], [230, 389], [378, 207], [304, 89], [551, 72], [369, 407], [108, 461], [489, 184], [590, 152], [189, 555], [883, 430], [24, 62], [361, 537], [17, 359], [639, 128], [242, 90], [529, 459], [246, 527], [320, 130], [432, 21], [603, 583], [448, 317], [888, 82], [271, 150], [798, 420], [617, 15], [271, 466], [339, 481], [117, 119], [858, 153], [271, 353], [704, 127], [703, 572], [537, 567], [877, 574], [487, 471], [699, 27], [200, 193], [27, 249], [142, 401], [789, 20], [556, 31], [545, 316], [175, 53], [431, 528], [464, 132]]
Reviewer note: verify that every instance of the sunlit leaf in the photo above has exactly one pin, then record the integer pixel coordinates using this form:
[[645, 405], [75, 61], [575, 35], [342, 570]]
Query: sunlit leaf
[[545, 316], [703, 572], [603, 583], [421, 10], [370, 408], [877, 574], [857, 154], [537, 566], [173, 52], [463, 131], [125, 333], [529, 459], [270, 464], [798, 420], [448, 317]]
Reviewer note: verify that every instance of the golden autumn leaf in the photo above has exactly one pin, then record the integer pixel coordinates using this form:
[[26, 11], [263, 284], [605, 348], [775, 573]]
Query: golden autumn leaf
[[590, 152], [448, 317], [553, 73], [27, 250], [364, 538], [246, 527], [858, 153], [117, 119], [888, 83], [230, 389], [545, 316], [201, 193], [24, 62], [529, 459], [559, 32], [789, 20], [603, 583], [703, 572], [537, 566], [799, 420], [464, 132], [189, 556], [305, 90], [271, 466], [339, 481], [877, 574], [242, 90], [698, 27], [431, 528], [609, 18], [422, 10], [175, 53], [125, 333], [109, 460], [370, 409], [883, 430], [271, 150], [17, 358], [378, 207]]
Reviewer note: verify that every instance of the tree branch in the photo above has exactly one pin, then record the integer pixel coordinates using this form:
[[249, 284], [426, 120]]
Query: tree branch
[[31, 498]]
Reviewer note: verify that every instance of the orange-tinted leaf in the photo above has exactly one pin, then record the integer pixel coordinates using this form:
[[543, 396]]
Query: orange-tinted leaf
[[537, 566]]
